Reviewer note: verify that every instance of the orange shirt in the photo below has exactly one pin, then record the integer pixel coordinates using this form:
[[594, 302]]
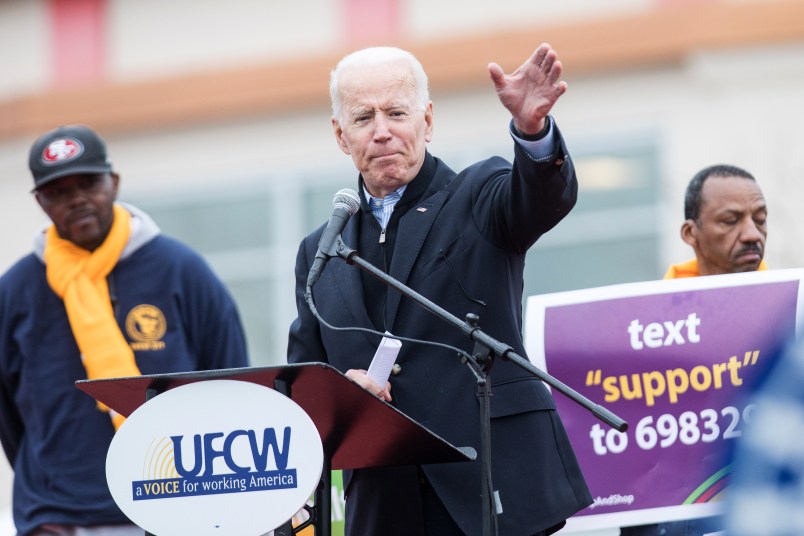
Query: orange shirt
[[690, 269]]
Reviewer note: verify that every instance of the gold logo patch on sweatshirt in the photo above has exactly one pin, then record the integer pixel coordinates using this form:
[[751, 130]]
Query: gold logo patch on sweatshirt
[[146, 325]]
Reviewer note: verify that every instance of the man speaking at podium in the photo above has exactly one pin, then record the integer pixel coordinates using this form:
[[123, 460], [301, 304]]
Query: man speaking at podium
[[460, 240]]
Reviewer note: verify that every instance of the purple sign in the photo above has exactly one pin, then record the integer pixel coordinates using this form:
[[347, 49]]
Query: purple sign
[[677, 367]]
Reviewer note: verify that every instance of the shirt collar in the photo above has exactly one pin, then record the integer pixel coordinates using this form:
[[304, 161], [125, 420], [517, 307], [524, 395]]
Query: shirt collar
[[390, 199]]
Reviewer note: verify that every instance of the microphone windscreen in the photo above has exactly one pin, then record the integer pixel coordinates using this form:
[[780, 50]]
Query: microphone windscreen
[[346, 199]]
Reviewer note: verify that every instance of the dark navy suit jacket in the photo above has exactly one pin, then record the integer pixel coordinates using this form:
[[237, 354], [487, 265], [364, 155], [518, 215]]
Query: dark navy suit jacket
[[462, 244]]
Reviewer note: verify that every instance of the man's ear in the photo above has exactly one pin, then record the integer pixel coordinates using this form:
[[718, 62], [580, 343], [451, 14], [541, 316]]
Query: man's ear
[[115, 183], [336, 127], [428, 122], [689, 232]]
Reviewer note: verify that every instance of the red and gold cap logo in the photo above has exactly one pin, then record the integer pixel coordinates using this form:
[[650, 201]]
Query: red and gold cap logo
[[61, 150]]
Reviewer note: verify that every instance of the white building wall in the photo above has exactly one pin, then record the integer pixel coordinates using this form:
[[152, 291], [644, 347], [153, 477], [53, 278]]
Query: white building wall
[[24, 61], [153, 38]]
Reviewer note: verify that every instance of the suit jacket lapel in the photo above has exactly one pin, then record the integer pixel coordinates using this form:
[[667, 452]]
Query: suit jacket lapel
[[413, 230], [347, 279]]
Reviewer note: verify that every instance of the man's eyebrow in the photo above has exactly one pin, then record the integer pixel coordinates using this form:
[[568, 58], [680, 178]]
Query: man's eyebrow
[[397, 104], [360, 110], [728, 211]]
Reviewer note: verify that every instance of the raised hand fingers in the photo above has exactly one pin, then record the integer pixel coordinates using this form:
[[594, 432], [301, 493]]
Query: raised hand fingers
[[554, 75], [530, 91], [540, 54], [556, 71], [545, 59], [497, 75]]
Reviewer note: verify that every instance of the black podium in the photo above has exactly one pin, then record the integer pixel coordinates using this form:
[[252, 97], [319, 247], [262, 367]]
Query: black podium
[[357, 429]]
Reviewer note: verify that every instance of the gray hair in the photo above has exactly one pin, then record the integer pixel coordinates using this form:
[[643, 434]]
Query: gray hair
[[374, 56]]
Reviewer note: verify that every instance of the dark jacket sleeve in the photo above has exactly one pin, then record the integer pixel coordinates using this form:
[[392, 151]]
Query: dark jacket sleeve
[[513, 209], [215, 324], [304, 340], [11, 424]]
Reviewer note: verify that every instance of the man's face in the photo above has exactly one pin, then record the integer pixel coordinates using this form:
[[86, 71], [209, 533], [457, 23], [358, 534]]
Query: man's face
[[382, 125], [80, 207], [729, 236]]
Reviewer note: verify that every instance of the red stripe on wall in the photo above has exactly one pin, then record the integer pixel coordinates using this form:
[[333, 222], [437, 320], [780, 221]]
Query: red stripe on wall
[[78, 41], [371, 22]]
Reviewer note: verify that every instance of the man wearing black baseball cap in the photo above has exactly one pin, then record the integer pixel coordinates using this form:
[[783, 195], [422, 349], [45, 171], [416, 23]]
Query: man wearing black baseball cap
[[76, 308], [73, 158]]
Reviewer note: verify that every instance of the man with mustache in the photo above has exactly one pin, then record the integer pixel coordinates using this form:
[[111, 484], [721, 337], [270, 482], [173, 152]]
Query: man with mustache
[[726, 223]]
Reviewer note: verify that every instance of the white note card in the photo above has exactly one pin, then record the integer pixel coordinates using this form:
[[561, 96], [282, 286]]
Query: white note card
[[384, 359]]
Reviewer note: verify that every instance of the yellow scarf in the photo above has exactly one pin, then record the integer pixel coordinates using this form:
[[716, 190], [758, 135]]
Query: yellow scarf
[[78, 277], [690, 269]]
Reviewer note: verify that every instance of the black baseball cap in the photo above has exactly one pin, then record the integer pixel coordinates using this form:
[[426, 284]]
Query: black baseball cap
[[67, 150]]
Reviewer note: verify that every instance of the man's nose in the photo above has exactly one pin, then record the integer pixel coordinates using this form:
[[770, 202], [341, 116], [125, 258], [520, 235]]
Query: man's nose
[[75, 194], [382, 129], [751, 232]]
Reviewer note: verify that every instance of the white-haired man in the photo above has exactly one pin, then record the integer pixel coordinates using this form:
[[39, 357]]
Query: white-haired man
[[459, 239]]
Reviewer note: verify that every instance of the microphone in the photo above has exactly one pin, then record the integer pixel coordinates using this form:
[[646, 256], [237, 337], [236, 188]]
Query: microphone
[[344, 205]]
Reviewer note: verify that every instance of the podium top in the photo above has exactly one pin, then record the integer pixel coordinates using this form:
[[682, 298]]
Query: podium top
[[357, 429]]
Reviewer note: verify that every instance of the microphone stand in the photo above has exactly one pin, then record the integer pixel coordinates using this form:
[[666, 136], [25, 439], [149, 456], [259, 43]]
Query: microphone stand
[[486, 348]]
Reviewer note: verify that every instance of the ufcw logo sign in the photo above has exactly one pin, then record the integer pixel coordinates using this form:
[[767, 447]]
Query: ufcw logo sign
[[182, 467]]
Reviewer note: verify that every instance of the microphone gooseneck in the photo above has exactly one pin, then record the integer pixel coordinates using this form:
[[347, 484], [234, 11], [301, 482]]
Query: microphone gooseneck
[[344, 204]]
